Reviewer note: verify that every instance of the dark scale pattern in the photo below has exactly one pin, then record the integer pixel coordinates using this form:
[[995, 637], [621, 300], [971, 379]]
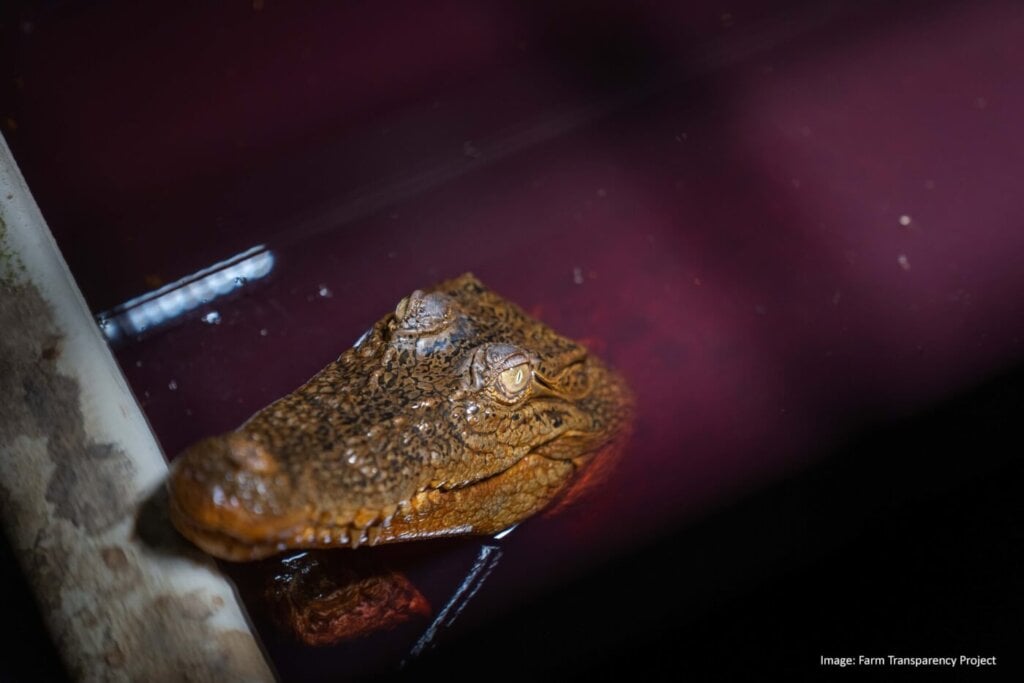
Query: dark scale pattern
[[456, 413]]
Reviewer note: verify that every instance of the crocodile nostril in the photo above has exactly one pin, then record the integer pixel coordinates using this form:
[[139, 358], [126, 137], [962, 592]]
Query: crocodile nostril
[[249, 455]]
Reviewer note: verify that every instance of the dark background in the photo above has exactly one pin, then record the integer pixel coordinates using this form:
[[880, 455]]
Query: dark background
[[796, 228]]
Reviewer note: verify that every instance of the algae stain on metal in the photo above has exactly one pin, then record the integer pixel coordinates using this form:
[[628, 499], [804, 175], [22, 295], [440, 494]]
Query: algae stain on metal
[[12, 269], [67, 502], [90, 483]]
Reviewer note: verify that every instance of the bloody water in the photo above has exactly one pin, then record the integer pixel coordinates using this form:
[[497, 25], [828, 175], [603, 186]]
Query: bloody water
[[779, 225]]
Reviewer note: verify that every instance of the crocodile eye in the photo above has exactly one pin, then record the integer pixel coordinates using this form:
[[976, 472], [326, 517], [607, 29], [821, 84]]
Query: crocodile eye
[[505, 368], [515, 379], [403, 306], [419, 313]]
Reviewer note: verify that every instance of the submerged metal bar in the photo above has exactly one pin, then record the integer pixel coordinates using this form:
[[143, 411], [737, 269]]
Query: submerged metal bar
[[172, 301], [77, 459], [486, 561]]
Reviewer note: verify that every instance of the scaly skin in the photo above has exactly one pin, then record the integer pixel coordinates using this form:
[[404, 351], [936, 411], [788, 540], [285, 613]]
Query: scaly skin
[[455, 414]]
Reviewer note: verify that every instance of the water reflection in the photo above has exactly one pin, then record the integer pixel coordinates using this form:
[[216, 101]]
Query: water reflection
[[171, 301]]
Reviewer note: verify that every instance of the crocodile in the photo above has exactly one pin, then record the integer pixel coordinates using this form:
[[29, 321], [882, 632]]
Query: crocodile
[[456, 414]]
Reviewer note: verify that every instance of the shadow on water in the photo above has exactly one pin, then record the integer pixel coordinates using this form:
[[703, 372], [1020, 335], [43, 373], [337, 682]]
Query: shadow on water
[[905, 541], [29, 654]]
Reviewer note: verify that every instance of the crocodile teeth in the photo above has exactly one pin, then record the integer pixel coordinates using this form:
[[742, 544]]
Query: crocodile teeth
[[335, 518], [364, 518], [373, 534], [358, 537], [387, 513]]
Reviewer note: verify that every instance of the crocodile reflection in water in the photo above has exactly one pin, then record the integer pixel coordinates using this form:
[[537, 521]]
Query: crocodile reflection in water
[[457, 413]]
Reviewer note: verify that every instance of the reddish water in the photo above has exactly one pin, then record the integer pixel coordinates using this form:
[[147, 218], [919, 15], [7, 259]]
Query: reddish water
[[777, 226]]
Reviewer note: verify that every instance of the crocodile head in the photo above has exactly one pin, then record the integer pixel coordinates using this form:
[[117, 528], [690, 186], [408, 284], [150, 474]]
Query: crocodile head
[[457, 413]]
